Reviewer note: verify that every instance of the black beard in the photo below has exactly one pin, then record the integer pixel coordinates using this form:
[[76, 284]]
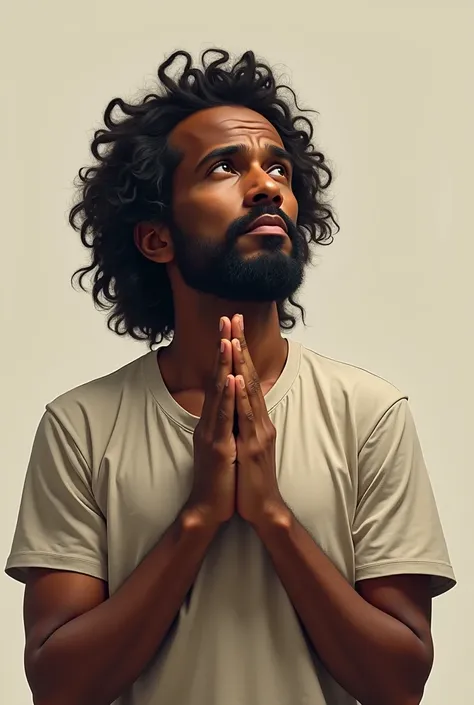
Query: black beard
[[219, 270]]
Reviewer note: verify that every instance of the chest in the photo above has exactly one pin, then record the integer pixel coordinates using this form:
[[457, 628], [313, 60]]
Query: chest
[[146, 475]]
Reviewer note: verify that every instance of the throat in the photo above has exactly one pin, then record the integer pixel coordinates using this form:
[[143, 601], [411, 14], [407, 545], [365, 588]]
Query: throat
[[192, 400]]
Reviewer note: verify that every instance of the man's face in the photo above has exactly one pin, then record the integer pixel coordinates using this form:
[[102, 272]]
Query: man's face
[[234, 169]]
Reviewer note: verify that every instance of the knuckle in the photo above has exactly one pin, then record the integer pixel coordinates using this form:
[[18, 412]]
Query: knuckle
[[218, 449], [207, 438], [254, 385], [218, 387], [271, 432], [222, 415], [201, 435], [255, 449]]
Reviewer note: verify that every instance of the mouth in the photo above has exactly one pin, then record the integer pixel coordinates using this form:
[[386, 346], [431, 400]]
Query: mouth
[[268, 225]]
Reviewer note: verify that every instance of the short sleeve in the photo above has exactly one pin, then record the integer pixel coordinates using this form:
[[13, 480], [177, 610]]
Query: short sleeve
[[59, 524], [396, 528]]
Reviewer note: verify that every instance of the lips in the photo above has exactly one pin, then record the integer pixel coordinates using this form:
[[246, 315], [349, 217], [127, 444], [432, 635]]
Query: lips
[[268, 225]]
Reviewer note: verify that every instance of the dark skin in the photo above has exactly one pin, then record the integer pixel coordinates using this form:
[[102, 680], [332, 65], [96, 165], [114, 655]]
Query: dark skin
[[375, 639], [208, 196]]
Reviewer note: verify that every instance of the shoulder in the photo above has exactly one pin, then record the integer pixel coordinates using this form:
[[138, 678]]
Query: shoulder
[[355, 394], [88, 412]]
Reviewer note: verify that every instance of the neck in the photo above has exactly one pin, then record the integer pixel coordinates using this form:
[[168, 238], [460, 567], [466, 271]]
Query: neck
[[189, 360]]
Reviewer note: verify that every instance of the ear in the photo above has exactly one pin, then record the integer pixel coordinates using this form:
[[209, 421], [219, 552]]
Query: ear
[[154, 242]]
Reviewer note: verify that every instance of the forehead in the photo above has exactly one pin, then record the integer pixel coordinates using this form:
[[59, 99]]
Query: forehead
[[220, 126]]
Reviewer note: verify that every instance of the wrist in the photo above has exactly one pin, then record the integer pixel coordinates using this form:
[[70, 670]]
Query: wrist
[[275, 517], [197, 517]]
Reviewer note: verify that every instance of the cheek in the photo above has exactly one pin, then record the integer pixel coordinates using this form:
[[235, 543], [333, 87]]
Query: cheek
[[205, 212], [290, 205]]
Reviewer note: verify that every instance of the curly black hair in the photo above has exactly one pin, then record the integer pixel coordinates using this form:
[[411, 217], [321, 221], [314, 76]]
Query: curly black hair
[[132, 176]]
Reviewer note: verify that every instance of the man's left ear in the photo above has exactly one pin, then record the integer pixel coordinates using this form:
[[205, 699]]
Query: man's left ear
[[154, 242]]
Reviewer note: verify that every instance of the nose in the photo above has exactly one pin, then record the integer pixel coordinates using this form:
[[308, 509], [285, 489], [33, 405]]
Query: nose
[[263, 190]]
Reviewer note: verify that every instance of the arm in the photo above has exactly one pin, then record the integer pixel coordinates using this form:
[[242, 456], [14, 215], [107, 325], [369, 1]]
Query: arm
[[376, 642], [85, 649], [376, 639], [82, 647]]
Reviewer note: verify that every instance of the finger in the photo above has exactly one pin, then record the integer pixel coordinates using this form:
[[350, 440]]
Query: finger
[[225, 328], [248, 368], [245, 413], [252, 383], [222, 367], [237, 323], [216, 384], [225, 412]]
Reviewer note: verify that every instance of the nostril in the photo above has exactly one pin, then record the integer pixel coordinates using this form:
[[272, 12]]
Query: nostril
[[260, 197], [263, 197]]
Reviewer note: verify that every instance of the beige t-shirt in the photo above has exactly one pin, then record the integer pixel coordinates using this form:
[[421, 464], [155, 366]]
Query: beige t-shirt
[[111, 467]]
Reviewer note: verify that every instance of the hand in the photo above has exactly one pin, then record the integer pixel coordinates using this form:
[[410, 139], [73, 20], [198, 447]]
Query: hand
[[258, 494], [214, 486]]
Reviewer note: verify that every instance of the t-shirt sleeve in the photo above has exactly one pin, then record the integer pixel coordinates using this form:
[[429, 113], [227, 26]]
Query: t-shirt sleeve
[[59, 524], [397, 529]]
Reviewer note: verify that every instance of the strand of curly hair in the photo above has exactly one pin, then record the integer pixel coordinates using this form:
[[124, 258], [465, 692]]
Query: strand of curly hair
[[131, 182]]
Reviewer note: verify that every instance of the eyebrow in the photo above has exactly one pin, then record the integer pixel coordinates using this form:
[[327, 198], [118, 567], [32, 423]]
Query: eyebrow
[[233, 149]]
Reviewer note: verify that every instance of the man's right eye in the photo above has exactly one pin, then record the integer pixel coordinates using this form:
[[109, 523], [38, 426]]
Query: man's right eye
[[225, 167]]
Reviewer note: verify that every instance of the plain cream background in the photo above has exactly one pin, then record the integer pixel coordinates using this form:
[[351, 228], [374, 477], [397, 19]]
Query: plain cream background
[[393, 86]]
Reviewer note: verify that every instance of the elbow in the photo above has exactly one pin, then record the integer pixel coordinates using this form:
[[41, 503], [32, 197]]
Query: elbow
[[57, 696], [410, 700], [56, 699], [59, 699], [63, 696], [397, 698], [48, 688], [391, 699], [404, 685], [54, 695], [395, 692]]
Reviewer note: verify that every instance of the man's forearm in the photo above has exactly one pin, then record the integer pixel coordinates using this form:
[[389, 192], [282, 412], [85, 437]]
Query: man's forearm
[[93, 658], [373, 656]]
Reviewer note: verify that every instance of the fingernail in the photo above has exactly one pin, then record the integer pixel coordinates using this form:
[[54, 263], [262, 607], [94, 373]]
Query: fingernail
[[237, 344], [226, 381], [241, 321], [222, 346], [221, 324], [242, 382]]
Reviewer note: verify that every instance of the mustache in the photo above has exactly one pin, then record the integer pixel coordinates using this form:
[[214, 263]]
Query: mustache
[[240, 226]]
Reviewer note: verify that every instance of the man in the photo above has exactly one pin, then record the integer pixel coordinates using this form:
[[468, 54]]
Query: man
[[236, 520]]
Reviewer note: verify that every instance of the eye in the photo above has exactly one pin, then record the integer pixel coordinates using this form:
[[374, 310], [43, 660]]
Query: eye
[[222, 168], [283, 171]]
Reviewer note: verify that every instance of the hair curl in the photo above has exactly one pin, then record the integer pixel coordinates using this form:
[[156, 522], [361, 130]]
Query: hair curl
[[131, 182]]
